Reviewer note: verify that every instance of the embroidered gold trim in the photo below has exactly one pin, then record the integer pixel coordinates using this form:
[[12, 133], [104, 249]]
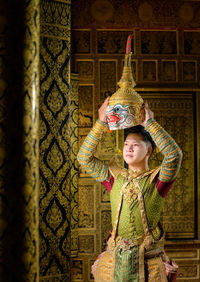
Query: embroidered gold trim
[[132, 189], [130, 192]]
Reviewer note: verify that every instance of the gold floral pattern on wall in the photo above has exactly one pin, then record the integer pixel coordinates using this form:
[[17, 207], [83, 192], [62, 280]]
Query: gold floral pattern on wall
[[58, 144]]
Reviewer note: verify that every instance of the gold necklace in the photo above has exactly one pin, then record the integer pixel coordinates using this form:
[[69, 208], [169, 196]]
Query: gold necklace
[[136, 173]]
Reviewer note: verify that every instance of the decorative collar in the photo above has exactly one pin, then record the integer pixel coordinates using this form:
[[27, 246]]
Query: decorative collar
[[134, 174]]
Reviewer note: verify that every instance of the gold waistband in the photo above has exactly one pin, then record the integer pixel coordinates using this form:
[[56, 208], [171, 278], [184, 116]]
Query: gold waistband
[[128, 243]]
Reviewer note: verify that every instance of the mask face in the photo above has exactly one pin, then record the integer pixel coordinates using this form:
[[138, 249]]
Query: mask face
[[119, 117]]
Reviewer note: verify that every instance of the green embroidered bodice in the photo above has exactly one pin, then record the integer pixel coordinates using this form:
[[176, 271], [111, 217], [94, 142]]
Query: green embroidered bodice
[[130, 224]]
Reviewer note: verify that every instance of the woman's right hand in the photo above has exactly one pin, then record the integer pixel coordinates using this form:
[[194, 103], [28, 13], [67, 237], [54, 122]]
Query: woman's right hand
[[102, 110], [148, 114]]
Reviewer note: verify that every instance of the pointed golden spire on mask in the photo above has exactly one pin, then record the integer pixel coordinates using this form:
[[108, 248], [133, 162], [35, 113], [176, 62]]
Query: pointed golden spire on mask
[[127, 76], [126, 94]]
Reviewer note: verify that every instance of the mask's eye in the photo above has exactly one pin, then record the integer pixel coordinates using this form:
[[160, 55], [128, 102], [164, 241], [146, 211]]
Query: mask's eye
[[117, 110]]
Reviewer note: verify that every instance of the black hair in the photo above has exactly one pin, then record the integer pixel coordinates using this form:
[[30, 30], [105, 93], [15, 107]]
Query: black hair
[[139, 129]]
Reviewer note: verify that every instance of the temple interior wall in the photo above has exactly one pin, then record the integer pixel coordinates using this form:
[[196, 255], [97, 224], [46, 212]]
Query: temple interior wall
[[166, 66]]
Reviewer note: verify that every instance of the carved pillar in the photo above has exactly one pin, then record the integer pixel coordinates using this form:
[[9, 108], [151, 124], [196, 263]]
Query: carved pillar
[[55, 141], [74, 168], [30, 140], [19, 141]]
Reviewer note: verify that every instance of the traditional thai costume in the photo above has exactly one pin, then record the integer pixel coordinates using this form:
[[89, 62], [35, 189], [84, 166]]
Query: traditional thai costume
[[135, 248]]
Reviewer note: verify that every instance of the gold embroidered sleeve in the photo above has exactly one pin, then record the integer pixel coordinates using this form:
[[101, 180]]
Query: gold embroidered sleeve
[[168, 147], [97, 169]]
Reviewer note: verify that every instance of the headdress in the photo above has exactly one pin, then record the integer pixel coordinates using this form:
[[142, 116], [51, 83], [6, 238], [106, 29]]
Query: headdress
[[126, 94]]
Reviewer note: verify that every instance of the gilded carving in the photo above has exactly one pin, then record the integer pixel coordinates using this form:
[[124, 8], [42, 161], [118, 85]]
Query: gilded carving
[[188, 271], [74, 163], [54, 99], [77, 270], [149, 70], [81, 42], [189, 71], [54, 215], [86, 244], [107, 78], [137, 14], [58, 144], [169, 71], [159, 42], [85, 69], [54, 31], [186, 13], [28, 228], [102, 10], [145, 12], [191, 42], [106, 227], [56, 13], [86, 207], [108, 144], [55, 278], [86, 109], [112, 42]]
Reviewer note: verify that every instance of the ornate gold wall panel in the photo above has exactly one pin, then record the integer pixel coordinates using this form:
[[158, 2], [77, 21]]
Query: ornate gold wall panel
[[58, 144], [187, 256], [112, 42], [175, 112], [86, 109], [170, 71], [135, 13], [108, 79], [191, 42], [149, 71], [189, 70], [86, 213], [157, 42], [81, 42], [85, 69], [166, 67]]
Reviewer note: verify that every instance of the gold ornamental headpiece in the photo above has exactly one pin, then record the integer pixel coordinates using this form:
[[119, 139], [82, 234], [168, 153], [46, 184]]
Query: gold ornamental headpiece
[[126, 94]]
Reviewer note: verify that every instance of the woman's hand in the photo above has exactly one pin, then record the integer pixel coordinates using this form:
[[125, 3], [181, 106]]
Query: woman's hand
[[148, 114], [102, 110]]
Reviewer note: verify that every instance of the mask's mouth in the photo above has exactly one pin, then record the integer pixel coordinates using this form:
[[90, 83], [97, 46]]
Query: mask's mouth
[[113, 118]]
